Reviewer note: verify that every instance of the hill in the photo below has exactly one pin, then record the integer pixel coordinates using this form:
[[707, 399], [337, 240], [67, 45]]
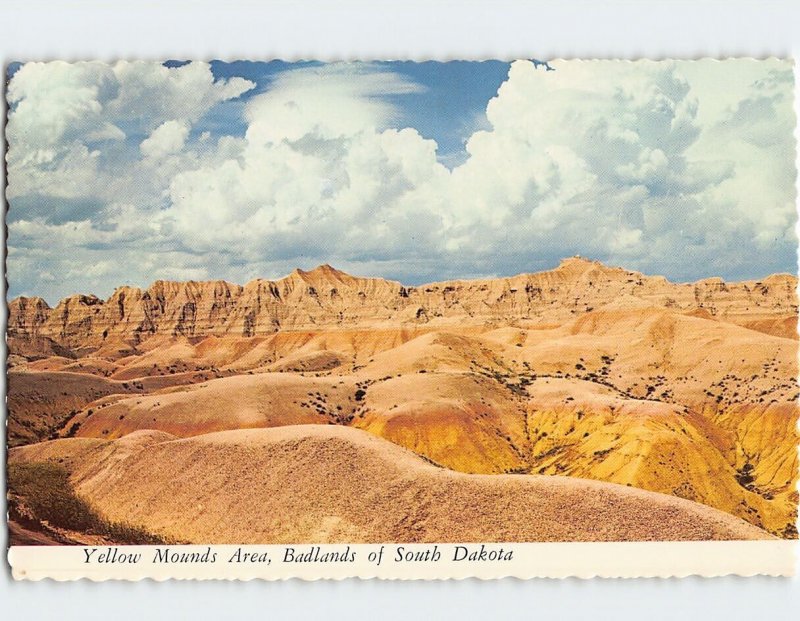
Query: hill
[[324, 484], [587, 371]]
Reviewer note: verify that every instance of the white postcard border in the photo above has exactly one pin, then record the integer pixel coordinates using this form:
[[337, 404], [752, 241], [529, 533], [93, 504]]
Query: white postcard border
[[433, 561]]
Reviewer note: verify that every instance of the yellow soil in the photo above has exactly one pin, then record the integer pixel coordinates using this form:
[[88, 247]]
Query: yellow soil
[[586, 371], [333, 484]]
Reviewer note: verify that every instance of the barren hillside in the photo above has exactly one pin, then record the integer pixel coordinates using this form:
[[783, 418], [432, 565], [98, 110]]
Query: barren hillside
[[323, 484], [586, 371]]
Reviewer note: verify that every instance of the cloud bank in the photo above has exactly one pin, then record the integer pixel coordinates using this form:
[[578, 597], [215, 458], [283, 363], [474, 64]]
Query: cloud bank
[[680, 168]]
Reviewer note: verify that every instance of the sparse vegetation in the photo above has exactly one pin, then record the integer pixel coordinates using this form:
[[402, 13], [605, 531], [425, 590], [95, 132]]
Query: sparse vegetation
[[592, 393], [40, 495]]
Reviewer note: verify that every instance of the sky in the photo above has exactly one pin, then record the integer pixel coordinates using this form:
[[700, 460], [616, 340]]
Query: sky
[[126, 173]]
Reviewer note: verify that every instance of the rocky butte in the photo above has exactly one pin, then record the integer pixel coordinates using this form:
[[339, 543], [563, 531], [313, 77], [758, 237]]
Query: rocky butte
[[327, 298]]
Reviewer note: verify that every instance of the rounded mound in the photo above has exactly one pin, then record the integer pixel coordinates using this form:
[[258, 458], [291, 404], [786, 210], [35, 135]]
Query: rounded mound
[[319, 483]]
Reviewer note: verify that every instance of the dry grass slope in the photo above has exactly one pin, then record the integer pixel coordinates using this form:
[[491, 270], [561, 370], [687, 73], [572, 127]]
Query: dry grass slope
[[325, 484]]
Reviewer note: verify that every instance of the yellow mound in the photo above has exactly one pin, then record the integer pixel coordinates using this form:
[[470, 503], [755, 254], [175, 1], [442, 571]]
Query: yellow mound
[[434, 351], [683, 389], [461, 421], [323, 360], [585, 430], [242, 401], [334, 484]]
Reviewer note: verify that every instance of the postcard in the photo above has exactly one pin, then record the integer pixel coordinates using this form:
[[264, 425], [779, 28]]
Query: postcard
[[401, 319]]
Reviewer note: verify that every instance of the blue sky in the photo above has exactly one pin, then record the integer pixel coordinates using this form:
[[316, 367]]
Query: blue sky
[[448, 108], [124, 173], [453, 102]]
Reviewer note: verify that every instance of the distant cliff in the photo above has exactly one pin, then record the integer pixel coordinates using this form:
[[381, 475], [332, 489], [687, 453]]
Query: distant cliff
[[325, 298]]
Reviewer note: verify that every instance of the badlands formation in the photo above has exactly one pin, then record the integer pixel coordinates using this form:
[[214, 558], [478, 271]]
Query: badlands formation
[[583, 403], [254, 485]]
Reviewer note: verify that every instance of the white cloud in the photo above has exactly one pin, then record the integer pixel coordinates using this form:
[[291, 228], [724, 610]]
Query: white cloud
[[313, 152], [650, 165], [60, 111], [105, 132], [614, 156], [327, 102], [167, 138]]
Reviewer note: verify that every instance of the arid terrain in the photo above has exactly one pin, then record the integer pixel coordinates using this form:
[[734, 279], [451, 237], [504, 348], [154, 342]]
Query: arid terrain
[[582, 403], [254, 485]]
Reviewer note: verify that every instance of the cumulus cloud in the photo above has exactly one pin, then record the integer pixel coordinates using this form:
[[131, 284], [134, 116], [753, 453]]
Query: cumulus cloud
[[62, 117], [612, 160], [167, 138], [645, 164], [315, 163], [327, 101]]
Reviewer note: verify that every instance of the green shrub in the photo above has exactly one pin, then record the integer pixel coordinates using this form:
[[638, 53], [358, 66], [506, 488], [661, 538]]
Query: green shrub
[[44, 489]]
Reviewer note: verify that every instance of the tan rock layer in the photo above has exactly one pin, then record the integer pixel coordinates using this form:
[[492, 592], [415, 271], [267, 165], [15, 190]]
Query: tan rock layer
[[325, 297]]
